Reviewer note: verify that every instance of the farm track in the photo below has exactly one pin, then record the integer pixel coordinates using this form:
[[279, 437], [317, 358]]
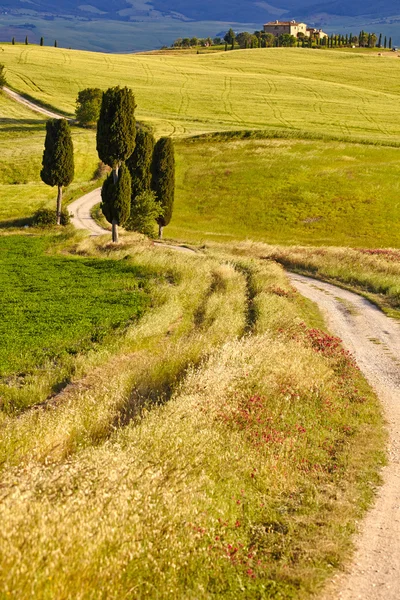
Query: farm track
[[374, 340], [32, 105]]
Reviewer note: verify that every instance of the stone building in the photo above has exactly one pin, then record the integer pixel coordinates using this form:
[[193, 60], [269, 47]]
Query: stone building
[[278, 28]]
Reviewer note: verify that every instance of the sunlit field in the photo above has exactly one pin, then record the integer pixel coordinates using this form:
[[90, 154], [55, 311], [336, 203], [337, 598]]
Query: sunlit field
[[327, 93]]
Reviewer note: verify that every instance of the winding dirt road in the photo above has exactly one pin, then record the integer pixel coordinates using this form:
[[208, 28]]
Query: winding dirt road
[[81, 209], [374, 340], [35, 107]]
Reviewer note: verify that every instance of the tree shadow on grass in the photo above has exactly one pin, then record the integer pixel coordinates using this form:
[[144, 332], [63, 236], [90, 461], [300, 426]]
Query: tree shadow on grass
[[16, 223], [14, 125]]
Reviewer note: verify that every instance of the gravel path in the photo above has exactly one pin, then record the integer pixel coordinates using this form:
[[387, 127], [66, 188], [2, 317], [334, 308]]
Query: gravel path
[[374, 339], [81, 209], [32, 105]]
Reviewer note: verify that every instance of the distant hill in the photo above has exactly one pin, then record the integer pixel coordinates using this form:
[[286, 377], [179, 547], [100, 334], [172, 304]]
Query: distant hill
[[206, 10]]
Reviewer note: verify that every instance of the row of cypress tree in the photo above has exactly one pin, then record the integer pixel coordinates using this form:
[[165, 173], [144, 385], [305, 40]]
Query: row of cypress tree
[[140, 166]]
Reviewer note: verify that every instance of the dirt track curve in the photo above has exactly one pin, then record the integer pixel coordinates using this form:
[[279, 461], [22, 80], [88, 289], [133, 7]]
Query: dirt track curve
[[32, 105], [81, 209], [374, 339]]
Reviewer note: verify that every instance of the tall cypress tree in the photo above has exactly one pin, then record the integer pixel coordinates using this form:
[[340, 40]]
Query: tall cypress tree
[[116, 197], [58, 158], [380, 41], [116, 132], [390, 43], [139, 163], [385, 42], [163, 179], [41, 41], [26, 41], [13, 41]]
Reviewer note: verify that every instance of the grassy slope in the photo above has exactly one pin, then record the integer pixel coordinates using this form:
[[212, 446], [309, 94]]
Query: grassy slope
[[290, 191], [281, 516], [248, 482], [287, 191], [325, 92]]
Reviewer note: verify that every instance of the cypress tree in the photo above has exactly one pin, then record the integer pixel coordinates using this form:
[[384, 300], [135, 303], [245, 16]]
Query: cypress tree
[[351, 39], [55, 44], [380, 41], [139, 163], [390, 43], [385, 42], [58, 158], [116, 132], [41, 41], [116, 197], [26, 41], [13, 41], [163, 179]]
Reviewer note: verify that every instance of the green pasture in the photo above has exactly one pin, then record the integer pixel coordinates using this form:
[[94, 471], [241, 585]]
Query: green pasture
[[287, 191], [324, 92], [54, 307], [22, 134]]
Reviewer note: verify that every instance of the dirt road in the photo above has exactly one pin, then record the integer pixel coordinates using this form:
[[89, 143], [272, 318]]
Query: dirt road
[[32, 105], [81, 210], [374, 339]]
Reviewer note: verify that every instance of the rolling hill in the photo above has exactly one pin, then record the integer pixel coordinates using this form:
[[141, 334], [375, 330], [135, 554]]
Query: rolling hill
[[135, 25], [208, 10]]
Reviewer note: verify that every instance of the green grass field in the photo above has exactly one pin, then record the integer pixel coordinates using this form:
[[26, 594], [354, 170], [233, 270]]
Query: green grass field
[[287, 191], [55, 308], [330, 93], [313, 190]]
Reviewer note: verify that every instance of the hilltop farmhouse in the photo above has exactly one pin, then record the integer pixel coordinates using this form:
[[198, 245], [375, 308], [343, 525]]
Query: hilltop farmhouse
[[278, 28]]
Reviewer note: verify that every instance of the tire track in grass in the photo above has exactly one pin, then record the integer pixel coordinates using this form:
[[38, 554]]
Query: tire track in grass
[[184, 96], [364, 113]]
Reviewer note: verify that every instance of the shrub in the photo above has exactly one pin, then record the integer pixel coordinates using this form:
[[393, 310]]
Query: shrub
[[88, 106], [47, 217], [144, 213]]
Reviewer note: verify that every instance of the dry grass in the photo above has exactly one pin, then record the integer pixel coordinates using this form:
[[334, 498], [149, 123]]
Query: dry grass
[[373, 272]]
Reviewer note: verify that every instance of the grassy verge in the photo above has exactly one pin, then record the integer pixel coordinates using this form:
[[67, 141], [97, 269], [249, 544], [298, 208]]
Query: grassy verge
[[99, 218], [223, 449], [374, 273]]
